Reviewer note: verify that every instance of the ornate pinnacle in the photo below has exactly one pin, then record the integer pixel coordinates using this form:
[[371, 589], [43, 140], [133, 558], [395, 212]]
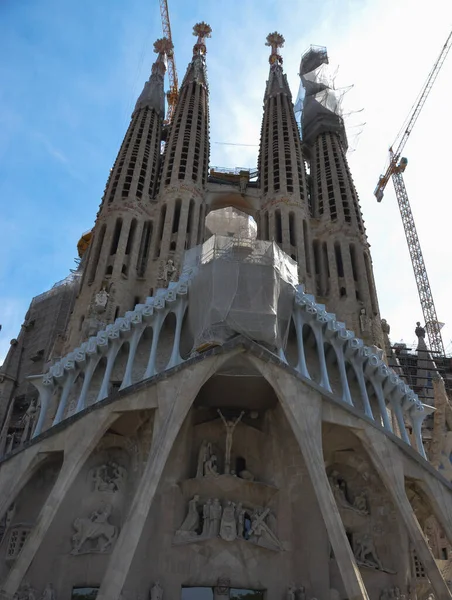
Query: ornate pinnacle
[[163, 46], [201, 31], [275, 40]]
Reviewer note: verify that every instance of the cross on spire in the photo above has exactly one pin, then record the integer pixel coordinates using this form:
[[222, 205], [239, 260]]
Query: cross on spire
[[276, 41]]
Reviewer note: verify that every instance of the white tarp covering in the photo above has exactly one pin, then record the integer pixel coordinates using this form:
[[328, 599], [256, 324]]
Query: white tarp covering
[[242, 286]]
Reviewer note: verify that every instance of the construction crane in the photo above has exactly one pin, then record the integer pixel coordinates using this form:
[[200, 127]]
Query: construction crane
[[397, 165], [173, 93]]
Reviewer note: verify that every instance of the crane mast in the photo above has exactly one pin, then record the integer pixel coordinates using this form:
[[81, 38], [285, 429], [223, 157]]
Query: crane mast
[[395, 171], [173, 92]]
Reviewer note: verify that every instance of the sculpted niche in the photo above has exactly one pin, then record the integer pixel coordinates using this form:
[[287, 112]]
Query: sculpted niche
[[229, 521], [94, 534]]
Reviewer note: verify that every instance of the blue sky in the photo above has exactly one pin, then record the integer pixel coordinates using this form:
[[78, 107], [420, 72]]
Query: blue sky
[[72, 71]]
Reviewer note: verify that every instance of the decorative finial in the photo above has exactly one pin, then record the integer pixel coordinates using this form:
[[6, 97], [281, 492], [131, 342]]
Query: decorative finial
[[275, 40], [419, 331], [163, 46], [201, 31]]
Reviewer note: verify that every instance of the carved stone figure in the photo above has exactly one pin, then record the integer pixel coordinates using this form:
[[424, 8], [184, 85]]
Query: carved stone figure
[[48, 593], [204, 454], [169, 272], [360, 503], [228, 528], [215, 517], [240, 515], [206, 517], [191, 522], [94, 528], [101, 300], [301, 593], [222, 587], [291, 593], [28, 422], [364, 321], [25, 592], [365, 552], [260, 533], [230, 426], [339, 488], [156, 592], [210, 466], [109, 477]]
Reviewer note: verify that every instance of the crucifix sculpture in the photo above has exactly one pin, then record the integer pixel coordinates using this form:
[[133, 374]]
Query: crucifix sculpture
[[230, 426]]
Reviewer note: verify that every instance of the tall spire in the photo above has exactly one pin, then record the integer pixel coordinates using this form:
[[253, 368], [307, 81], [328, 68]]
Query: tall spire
[[181, 195], [119, 252], [277, 81], [344, 278], [284, 215], [187, 150], [196, 70], [153, 95]]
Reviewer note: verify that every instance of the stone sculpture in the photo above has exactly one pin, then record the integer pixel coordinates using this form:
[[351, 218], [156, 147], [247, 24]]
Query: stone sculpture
[[301, 593], [228, 527], [169, 272], [156, 592], [365, 552], [364, 321], [101, 300], [339, 488], [260, 533], [229, 522], [222, 587], [295, 593], [210, 467], [291, 591], [215, 517], [240, 516], [206, 518], [28, 422], [191, 522], [230, 426], [360, 504], [48, 593], [94, 528], [204, 454], [109, 477], [25, 592]]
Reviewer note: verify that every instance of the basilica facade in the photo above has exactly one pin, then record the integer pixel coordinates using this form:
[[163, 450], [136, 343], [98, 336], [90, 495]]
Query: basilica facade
[[205, 409]]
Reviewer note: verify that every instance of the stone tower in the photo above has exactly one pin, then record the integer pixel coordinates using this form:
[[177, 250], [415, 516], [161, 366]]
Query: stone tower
[[184, 171], [284, 215], [114, 274], [227, 436], [342, 263]]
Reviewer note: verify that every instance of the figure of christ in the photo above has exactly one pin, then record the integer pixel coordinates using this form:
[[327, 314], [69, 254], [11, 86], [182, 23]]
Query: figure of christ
[[230, 426]]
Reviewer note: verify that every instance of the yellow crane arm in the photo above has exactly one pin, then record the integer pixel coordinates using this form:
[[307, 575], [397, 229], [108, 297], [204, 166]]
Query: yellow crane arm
[[173, 92]]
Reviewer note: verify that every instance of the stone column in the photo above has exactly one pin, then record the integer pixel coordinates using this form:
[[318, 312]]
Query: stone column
[[80, 441], [303, 409], [390, 469], [176, 396]]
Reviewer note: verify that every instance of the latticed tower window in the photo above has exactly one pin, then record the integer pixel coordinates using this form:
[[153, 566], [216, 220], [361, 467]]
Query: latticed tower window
[[17, 539], [418, 568]]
